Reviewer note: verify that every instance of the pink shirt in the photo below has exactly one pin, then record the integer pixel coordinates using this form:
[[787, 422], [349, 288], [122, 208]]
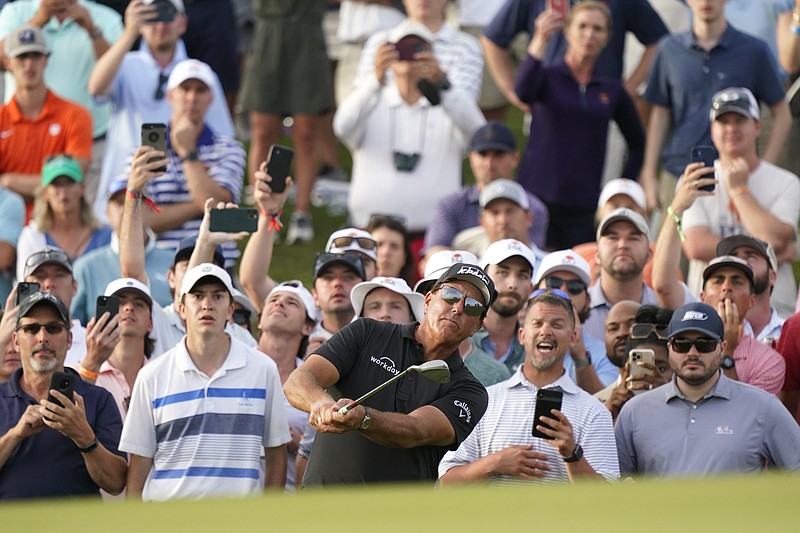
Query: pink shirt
[[114, 381], [759, 365]]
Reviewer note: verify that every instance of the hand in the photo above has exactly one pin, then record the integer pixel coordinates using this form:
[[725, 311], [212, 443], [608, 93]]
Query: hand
[[184, 134], [265, 200], [426, 67], [729, 313], [293, 446], [49, 9], [385, 55], [30, 423], [137, 15], [546, 25], [520, 461], [562, 432], [325, 416], [578, 350], [143, 169], [102, 335], [9, 321], [695, 175], [620, 394], [736, 174], [215, 238], [69, 420], [80, 15], [647, 381]]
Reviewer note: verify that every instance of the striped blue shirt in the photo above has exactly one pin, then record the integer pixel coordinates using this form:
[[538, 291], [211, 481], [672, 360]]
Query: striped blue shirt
[[509, 420]]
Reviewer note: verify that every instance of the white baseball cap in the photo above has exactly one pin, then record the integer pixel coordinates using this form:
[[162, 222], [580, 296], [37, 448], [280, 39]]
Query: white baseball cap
[[191, 69], [398, 285], [195, 274], [129, 284], [627, 215], [506, 189], [564, 260], [629, 188], [296, 287], [439, 263], [352, 240], [407, 28], [499, 251]]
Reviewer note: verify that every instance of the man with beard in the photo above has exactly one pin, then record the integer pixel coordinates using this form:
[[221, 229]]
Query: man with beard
[[510, 264], [702, 422], [50, 450], [633, 326], [623, 249], [762, 320], [587, 364], [502, 449]]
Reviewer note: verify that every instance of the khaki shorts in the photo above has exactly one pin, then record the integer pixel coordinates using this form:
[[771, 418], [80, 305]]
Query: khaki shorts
[[491, 97]]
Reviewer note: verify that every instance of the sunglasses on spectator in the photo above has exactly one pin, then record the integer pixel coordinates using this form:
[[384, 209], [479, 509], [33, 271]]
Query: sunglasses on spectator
[[452, 296], [574, 286], [703, 345], [49, 255], [558, 292], [642, 331], [363, 242], [162, 81], [52, 328]]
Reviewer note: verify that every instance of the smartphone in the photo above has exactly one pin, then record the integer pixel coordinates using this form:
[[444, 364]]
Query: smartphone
[[155, 135], [559, 6], [410, 45], [705, 155], [546, 401], [108, 304], [234, 220], [63, 383], [25, 289], [278, 163], [637, 371]]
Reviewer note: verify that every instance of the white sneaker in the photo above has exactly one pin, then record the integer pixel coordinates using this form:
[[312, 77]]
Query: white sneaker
[[300, 229]]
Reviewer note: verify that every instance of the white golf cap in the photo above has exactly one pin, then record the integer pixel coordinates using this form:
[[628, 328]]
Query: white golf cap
[[499, 251], [205, 270], [564, 260], [505, 189], [352, 240], [439, 263], [191, 69], [627, 215], [629, 188], [398, 285], [296, 287], [123, 284], [407, 28], [241, 298]]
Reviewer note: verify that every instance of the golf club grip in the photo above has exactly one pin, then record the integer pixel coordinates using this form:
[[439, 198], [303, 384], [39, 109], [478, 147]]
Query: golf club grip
[[347, 408]]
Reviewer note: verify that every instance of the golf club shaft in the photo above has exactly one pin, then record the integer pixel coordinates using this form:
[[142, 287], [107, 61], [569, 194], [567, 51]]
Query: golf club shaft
[[347, 408]]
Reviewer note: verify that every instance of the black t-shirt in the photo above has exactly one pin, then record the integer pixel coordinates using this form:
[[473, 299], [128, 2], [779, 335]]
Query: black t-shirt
[[366, 354]]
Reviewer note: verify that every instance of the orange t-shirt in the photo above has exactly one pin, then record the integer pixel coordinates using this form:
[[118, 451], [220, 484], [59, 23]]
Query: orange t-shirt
[[63, 127]]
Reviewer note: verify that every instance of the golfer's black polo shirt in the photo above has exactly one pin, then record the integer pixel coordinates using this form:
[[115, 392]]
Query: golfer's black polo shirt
[[366, 354]]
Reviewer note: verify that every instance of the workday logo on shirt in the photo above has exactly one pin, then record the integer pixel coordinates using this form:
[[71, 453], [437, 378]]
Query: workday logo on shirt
[[385, 363]]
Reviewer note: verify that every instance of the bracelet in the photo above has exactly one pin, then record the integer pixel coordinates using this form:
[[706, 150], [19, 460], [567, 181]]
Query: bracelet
[[92, 445], [738, 191], [96, 33], [274, 220], [139, 196], [88, 374], [678, 224]]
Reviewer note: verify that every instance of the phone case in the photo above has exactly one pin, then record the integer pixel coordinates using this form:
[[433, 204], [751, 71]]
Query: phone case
[[546, 401], [107, 304], [64, 383], [155, 135], [278, 163], [637, 371], [705, 155], [25, 289], [234, 220]]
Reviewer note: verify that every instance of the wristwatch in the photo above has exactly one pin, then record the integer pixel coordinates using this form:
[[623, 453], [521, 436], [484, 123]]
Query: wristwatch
[[190, 156], [366, 421], [576, 456], [583, 363], [728, 362]]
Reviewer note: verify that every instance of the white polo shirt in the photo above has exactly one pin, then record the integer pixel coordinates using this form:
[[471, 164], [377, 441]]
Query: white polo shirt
[[205, 434]]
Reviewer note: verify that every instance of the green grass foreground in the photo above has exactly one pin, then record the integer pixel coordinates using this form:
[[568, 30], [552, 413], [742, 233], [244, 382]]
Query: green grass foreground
[[748, 503]]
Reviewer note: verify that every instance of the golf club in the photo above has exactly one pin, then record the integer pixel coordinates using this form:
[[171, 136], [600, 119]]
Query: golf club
[[436, 370]]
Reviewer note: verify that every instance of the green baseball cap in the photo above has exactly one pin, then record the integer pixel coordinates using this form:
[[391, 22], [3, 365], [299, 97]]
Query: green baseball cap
[[61, 165]]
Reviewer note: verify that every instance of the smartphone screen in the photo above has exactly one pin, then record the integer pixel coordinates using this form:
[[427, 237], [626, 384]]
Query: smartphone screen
[[705, 155], [234, 220], [546, 401], [25, 289], [155, 135], [278, 163]]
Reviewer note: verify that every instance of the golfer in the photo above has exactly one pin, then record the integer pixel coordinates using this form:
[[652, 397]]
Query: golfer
[[402, 432]]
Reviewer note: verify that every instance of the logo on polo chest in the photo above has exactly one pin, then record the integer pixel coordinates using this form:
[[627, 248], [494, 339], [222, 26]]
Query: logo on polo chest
[[385, 363]]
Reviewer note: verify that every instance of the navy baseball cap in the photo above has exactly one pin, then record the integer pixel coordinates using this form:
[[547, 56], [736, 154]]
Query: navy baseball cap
[[493, 136], [696, 316], [186, 247], [327, 259]]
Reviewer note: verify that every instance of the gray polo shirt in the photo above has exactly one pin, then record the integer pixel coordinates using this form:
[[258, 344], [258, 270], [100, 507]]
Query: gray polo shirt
[[735, 427]]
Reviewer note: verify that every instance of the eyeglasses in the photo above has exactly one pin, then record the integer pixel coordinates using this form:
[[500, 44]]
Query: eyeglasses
[[52, 328], [363, 242], [406, 162], [162, 81], [642, 331], [557, 292], [452, 296], [56, 256], [703, 345], [574, 286]]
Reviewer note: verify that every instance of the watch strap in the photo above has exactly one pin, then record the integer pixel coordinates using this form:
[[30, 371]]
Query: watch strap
[[367, 420], [92, 445], [576, 456], [583, 363], [190, 156]]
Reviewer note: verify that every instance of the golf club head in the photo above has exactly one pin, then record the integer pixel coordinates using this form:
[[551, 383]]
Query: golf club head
[[436, 370]]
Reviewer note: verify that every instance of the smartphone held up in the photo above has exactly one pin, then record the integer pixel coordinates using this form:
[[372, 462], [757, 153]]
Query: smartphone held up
[[279, 161]]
